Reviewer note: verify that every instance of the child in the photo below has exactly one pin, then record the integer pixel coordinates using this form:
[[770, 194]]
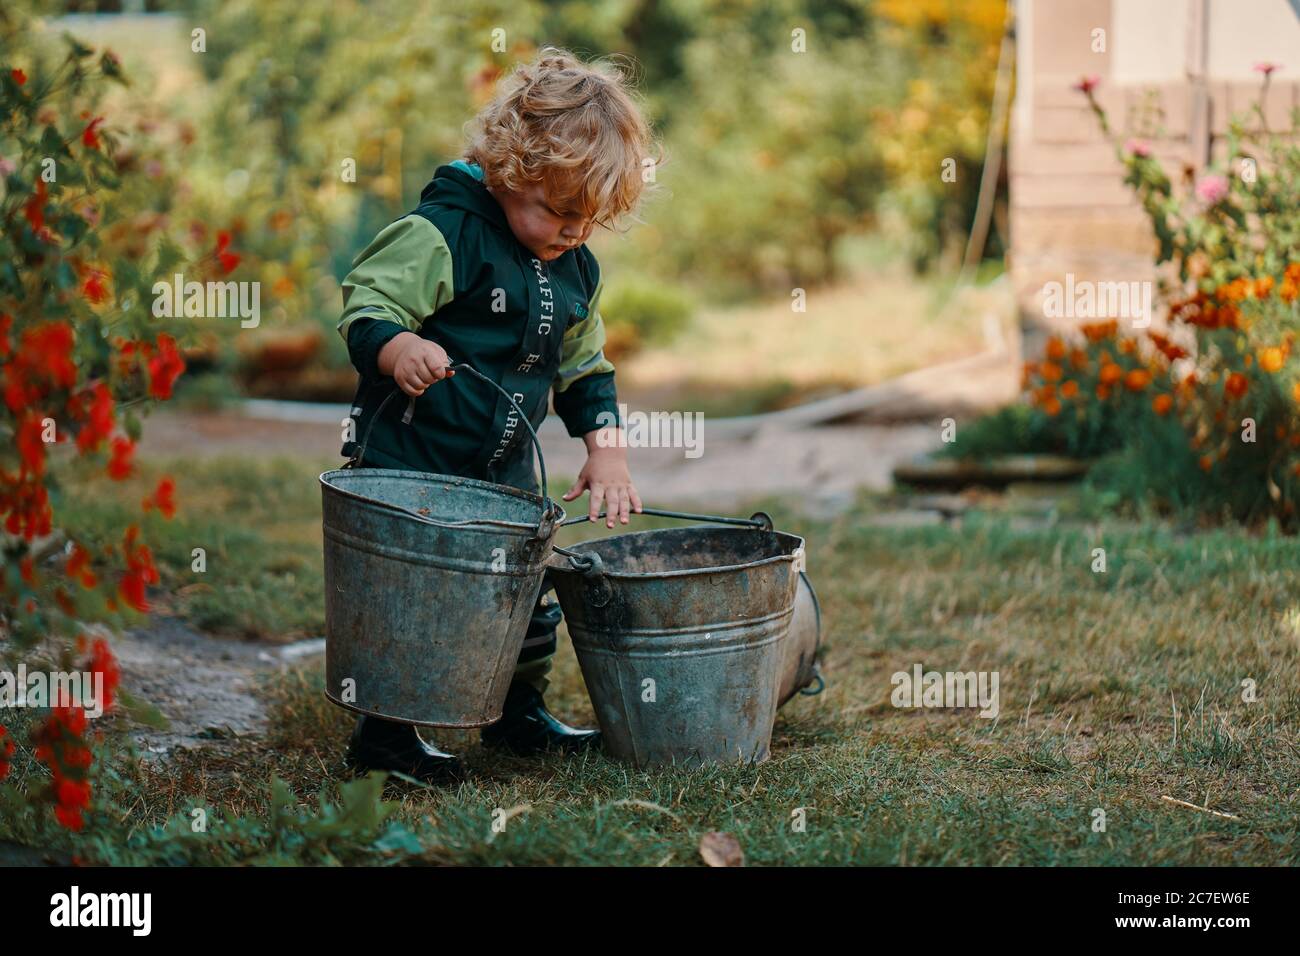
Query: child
[[492, 269]]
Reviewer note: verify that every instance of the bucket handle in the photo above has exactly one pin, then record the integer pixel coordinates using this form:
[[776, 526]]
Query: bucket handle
[[546, 524], [590, 564]]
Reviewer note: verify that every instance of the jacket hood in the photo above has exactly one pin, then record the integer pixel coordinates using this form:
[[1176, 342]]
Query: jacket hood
[[456, 189]]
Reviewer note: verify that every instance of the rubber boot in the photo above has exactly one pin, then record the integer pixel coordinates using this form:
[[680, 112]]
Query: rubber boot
[[526, 727], [379, 744]]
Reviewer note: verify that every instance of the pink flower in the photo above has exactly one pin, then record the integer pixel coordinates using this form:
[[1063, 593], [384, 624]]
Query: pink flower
[[1139, 147], [1212, 189], [1267, 68], [1088, 83]]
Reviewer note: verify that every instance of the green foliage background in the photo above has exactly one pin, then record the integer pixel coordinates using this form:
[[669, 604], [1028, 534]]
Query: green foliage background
[[773, 156]]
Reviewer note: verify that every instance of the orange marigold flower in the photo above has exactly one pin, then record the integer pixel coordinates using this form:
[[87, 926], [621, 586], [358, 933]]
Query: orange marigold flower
[[1069, 389], [1055, 349], [1206, 463], [1052, 406], [1166, 347], [1137, 379], [1271, 359], [1295, 393], [1050, 371], [1100, 331], [1079, 358], [1161, 404], [1235, 386], [1111, 373], [1103, 392]]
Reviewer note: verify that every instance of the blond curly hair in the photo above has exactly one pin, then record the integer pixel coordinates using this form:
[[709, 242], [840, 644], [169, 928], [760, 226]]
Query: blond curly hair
[[577, 128]]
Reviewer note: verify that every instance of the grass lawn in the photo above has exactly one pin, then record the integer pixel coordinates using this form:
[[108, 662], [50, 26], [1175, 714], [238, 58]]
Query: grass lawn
[[1117, 690], [879, 322]]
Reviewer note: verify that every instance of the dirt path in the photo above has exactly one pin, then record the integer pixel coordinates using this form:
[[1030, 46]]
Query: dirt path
[[207, 687], [821, 465]]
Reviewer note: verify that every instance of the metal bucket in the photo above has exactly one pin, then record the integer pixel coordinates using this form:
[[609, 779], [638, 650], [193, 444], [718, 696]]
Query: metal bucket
[[430, 581], [680, 636], [799, 669]]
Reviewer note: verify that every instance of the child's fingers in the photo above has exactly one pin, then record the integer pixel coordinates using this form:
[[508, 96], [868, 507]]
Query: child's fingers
[[624, 501], [575, 490], [411, 386], [435, 370], [597, 497], [636, 499]]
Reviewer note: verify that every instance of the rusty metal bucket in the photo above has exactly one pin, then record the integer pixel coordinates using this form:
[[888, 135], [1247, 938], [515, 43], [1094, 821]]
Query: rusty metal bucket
[[680, 635], [430, 581], [799, 670]]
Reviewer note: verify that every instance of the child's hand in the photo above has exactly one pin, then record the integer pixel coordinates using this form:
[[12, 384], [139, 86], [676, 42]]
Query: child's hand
[[413, 362], [607, 477]]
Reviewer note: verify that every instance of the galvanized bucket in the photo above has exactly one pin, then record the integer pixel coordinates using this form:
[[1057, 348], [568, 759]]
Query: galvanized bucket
[[430, 581], [799, 670], [680, 636]]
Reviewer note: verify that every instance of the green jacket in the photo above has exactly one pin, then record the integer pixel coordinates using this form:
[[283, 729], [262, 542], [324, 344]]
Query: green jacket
[[452, 271]]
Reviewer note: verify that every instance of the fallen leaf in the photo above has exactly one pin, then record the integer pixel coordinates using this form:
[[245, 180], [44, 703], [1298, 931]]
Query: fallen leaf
[[721, 849]]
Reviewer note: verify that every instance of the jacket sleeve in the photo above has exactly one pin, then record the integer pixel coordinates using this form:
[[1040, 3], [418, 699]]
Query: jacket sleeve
[[585, 396], [401, 278]]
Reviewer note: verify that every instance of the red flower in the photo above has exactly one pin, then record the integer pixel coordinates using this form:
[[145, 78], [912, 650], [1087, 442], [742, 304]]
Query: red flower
[[43, 363], [31, 444], [229, 260], [93, 288], [34, 208], [164, 497], [6, 751], [70, 818], [98, 418], [119, 462], [140, 571], [103, 662], [1235, 386], [73, 793], [78, 566], [28, 504], [1088, 83], [20, 78], [89, 138], [60, 744], [164, 368]]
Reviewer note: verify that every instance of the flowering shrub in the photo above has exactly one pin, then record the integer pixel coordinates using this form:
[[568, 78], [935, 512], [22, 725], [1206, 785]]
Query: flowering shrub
[[1223, 375], [78, 355]]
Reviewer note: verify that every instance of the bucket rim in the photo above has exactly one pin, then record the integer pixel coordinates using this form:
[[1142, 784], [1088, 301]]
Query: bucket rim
[[564, 566], [529, 496]]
